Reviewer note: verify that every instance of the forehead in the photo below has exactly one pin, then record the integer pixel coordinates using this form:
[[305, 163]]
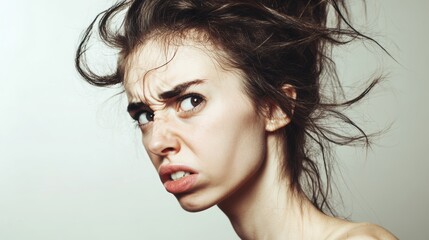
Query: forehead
[[157, 66]]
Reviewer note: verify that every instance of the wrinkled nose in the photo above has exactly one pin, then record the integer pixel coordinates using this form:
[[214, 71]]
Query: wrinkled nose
[[163, 141]]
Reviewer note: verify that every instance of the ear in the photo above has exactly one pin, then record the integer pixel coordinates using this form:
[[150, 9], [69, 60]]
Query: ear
[[275, 117]]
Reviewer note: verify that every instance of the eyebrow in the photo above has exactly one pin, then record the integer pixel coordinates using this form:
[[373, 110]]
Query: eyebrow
[[179, 89], [174, 92]]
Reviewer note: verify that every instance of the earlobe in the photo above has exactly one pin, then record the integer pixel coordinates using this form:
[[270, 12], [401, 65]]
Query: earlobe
[[276, 118]]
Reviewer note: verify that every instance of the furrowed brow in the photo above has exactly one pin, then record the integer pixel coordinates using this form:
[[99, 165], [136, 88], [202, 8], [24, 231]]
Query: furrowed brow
[[179, 89], [134, 107]]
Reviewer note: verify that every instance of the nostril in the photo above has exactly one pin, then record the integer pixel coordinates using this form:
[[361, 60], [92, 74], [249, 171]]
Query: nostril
[[168, 149]]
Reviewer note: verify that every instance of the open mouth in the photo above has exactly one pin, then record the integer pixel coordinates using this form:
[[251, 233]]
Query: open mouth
[[178, 175], [175, 172], [178, 179]]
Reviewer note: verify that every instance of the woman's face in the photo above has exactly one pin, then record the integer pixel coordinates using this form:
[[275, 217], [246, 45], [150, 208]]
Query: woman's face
[[200, 129]]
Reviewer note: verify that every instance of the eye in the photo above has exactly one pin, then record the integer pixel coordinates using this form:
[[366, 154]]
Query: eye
[[188, 103], [144, 118]]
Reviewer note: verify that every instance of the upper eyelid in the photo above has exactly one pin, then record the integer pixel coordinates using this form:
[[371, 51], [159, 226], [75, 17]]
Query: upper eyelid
[[177, 99], [187, 95]]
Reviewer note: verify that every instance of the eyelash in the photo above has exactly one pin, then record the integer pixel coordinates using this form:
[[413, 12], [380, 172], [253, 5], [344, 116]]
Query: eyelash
[[178, 101]]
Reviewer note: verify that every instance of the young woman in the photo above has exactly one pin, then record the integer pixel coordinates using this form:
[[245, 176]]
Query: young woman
[[237, 102]]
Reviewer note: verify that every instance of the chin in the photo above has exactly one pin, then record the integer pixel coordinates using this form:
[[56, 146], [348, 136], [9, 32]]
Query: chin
[[192, 203]]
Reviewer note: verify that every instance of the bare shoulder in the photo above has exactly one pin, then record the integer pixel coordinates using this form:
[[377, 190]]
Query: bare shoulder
[[363, 231]]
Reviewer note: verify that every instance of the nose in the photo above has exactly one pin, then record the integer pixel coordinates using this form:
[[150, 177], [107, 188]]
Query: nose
[[163, 140]]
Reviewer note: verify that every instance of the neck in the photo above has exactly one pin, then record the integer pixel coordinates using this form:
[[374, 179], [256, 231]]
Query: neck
[[265, 208]]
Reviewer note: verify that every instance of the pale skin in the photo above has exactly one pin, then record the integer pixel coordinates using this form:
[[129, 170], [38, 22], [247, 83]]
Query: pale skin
[[211, 129]]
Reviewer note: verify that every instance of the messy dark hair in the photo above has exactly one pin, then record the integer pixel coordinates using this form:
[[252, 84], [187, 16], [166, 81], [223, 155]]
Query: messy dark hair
[[274, 43]]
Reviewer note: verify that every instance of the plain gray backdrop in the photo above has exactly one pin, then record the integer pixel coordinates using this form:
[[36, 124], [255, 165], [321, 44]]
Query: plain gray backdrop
[[71, 162]]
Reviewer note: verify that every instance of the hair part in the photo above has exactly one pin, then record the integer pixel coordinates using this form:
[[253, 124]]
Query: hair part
[[274, 43]]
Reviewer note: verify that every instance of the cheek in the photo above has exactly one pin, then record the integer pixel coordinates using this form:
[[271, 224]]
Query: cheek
[[231, 141]]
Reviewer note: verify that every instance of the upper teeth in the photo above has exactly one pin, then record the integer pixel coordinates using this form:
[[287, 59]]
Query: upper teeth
[[178, 175]]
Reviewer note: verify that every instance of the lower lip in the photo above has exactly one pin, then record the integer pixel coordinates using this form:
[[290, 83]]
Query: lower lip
[[182, 185]]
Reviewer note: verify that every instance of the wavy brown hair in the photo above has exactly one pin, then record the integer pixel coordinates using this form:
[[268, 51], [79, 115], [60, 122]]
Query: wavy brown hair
[[273, 43]]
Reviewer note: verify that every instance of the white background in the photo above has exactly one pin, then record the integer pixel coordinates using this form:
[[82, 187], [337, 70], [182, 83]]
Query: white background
[[71, 162]]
